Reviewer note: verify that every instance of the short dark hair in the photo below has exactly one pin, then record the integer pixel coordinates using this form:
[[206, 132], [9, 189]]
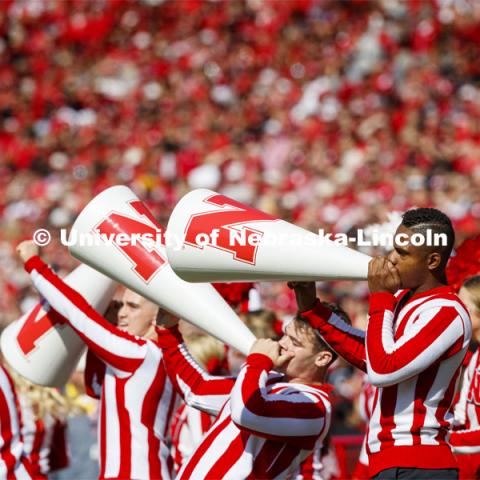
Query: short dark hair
[[319, 343], [422, 219]]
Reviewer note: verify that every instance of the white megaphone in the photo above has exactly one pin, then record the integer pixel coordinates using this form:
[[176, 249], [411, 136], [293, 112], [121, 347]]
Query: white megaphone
[[41, 346], [216, 239], [126, 243]]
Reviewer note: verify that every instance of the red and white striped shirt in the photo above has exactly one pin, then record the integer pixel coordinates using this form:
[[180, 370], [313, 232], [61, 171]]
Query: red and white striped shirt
[[467, 410], [365, 409], [37, 436], [189, 426], [413, 351], [44, 439], [365, 399], [321, 464], [137, 398], [265, 427], [13, 463]]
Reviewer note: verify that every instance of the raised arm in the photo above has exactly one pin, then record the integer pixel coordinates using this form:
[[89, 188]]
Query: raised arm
[[199, 389], [298, 414], [441, 328], [347, 341], [120, 350]]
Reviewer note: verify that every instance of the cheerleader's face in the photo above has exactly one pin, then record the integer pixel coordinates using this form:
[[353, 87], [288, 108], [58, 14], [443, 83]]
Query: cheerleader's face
[[306, 358], [137, 315]]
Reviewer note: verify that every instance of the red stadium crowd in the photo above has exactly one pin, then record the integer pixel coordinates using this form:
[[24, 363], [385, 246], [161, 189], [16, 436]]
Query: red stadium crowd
[[327, 114]]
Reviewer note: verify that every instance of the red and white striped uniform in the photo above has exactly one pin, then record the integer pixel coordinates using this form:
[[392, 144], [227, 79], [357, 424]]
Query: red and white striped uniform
[[137, 398], [365, 399], [37, 436], [321, 464], [311, 467], [465, 443], [265, 427], [467, 410], [189, 426], [44, 440], [13, 463], [413, 351], [365, 409]]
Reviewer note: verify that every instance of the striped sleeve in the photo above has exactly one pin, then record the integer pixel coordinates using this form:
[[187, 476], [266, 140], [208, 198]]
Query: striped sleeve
[[438, 328], [9, 425], [465, 441], [123, 352], [295, 415], [13, 462], [199, 389], [460, 410], [345, 340]]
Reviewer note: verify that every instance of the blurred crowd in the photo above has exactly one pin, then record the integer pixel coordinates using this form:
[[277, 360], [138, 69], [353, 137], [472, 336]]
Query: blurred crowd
[[328, 114]]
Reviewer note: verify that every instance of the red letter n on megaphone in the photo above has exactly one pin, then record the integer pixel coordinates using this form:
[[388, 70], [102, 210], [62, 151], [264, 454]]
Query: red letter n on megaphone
[[227, 221], [146, 260]]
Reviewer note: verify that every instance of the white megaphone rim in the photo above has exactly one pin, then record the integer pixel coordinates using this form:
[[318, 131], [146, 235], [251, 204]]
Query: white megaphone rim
[[62, 340], [89, 210]]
